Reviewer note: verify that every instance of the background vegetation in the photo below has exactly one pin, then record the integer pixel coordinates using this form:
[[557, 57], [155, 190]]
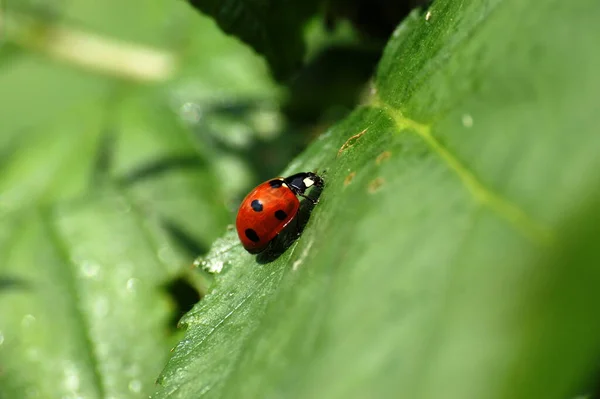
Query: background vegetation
[[453, 252]]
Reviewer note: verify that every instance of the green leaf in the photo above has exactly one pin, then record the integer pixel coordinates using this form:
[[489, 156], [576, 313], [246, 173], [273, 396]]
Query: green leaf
[[453, 251], [108, 188], [272, 28], [75, 308]]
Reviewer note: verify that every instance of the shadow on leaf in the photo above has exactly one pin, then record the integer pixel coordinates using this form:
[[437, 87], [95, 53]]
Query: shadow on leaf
[[184, 239], [184, 295], [160, 166], [13, 283]]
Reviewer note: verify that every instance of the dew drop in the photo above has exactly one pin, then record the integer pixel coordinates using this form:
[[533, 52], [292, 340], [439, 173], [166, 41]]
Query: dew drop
[[213, 267], [135, 386], [467, 120], [28, 320], [90, 269], [165, 254], [71, 379], [198, 261], [190, 112], [266, 122], [101, 306], [132, 284]]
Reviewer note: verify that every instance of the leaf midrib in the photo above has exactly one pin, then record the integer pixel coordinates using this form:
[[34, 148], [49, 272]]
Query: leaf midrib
[[532, 229], [79, 313]]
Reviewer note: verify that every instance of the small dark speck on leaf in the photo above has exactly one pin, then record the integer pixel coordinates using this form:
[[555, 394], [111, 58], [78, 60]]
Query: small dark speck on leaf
[[382, 157], [375, 184], [349, 178]]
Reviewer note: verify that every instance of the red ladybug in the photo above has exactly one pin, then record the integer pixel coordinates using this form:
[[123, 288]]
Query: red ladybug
[[270, 207]]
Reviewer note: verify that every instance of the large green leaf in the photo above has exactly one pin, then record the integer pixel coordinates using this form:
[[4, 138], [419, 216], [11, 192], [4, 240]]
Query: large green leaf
[[453, 252], [273, 28]]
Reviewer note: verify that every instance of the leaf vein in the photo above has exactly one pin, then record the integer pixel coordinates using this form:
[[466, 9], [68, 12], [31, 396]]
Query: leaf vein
[[219, 324], [517, 217], [60, 246]]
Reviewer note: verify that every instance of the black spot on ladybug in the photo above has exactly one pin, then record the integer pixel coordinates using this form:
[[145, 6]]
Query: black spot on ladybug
[[276, 183], [281, 215], [256, 205], [252, 236]]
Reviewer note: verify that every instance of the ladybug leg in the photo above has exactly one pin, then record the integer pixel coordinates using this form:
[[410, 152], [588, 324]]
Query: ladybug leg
[[314, 202], [298, 232]]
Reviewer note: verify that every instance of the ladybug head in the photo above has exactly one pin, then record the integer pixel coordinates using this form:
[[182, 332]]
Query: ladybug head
[[300, 182]]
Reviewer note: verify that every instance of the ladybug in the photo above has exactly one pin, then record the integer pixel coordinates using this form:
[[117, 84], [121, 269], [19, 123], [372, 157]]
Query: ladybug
[[270, 207]]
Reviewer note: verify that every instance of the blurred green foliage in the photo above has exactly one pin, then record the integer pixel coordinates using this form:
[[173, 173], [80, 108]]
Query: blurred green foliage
[[129, 134], [119, 125], [452, 254]]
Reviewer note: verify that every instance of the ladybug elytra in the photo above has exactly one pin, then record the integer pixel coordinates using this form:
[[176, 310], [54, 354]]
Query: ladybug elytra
[[270, 207]]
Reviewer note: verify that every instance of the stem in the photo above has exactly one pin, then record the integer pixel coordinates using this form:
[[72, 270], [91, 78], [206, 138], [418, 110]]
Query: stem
[[88, 50]]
